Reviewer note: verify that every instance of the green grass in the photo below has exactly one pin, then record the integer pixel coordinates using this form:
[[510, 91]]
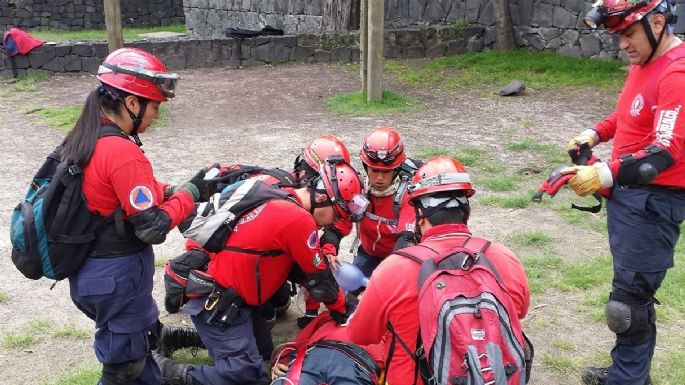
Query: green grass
[[18, 340], [498, 182], [3, 297], [538, 69], [163, 118], [561, 364], [39, 325], [62, 118], [563, 345], [542, 271], [586, 274], [101, 34], [28, 82], [70, 331], [355, 104], [668, 368], [533, 238], [507, 202], [82, 376], [550, 154]]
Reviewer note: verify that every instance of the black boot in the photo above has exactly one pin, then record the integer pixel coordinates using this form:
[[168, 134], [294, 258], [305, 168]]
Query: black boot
[[308, 317], [171, 372], [173, 338], [598, 376]]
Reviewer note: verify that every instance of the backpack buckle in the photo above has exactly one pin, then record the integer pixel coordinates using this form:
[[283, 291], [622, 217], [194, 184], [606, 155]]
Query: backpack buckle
[[74, 169], [470, 260]]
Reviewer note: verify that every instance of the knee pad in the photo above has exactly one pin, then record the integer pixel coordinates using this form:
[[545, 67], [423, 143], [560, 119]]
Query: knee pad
[[630, 318], [122, 374]]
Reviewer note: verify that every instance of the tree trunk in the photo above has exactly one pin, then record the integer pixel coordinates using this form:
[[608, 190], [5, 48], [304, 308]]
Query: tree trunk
[[503, 27]]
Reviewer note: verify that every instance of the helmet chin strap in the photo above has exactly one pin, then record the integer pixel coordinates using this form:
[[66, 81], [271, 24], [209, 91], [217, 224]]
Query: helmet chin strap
[[650, 36], [137, 120]]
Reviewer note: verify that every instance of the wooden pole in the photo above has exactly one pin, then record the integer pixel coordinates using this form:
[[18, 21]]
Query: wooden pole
[[504, 31], [364, 43], [115, 38], [376, 21]]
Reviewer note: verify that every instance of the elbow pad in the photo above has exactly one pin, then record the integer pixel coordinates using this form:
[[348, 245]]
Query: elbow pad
[[332, 236], [152, 225], [322, 286], [405, 239], [643, 166]]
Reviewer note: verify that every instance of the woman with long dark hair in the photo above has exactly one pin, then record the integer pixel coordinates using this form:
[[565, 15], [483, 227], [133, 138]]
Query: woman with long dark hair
[[114, 285]]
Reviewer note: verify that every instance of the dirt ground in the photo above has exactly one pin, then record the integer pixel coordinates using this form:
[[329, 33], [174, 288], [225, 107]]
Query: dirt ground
[[264, 116]]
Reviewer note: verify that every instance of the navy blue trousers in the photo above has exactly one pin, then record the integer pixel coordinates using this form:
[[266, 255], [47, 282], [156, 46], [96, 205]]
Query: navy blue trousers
[[324, 365], [366, 263], [644, 227], [116, 293], [233, 348]]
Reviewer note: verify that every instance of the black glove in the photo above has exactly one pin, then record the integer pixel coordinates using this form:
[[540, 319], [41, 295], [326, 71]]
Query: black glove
[[206, 187], [351, 303]]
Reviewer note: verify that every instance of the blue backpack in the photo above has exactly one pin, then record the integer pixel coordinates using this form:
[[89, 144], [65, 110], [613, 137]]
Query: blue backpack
[[52, 231]]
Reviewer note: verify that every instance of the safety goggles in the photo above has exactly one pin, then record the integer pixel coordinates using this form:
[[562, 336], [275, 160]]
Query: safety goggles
[[383, 156], [440, 179], [165, 81], [612, 18]]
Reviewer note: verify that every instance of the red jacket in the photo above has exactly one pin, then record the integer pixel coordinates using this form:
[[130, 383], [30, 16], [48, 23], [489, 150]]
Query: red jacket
[[120, 175], [648, 112], [276, 225], [376, 237], [392, 295]]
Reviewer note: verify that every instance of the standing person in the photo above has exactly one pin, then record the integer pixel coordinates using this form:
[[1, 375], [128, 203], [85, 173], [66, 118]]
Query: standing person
[[389, 222], [647, 176], [265, 245], [114, 285], [440, 193]]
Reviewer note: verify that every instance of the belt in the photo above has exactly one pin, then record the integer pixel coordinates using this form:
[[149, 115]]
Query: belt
[[355, 352], [112, 242], [655, 188]]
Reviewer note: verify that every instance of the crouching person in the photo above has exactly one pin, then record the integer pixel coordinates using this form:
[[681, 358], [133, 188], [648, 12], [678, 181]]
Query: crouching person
[[254, 263]]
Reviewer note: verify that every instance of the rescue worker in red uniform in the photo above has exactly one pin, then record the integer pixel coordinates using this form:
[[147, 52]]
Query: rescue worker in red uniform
[[114, 285], [440, 192], [646, 175], [288, 229], [389, 222]]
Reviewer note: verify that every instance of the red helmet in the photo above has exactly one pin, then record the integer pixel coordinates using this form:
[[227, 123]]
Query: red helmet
[[617, 15], [383, 149], [320, 149], [138, 72], [344, 186], [440, 173]]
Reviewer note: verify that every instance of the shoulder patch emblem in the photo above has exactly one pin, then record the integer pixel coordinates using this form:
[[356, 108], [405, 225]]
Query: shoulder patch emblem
[[313, 240], [317, 259], [141, 197]]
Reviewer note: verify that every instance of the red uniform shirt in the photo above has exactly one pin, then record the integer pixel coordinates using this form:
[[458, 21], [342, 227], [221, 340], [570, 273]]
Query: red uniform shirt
[[392, 295], [119, 175], [376, 237], [275, 225], [648, 112]]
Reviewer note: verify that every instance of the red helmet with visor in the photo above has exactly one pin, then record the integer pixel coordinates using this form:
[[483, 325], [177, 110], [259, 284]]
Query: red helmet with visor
[[439, 174], [320, 149], [344, 187], [617, 15], [383, 149], [139, 73]]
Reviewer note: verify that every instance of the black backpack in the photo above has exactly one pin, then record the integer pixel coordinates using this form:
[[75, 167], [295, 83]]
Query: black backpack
[[52, 231]]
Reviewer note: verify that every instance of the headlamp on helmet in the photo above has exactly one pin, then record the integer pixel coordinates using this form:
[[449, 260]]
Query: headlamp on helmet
[[164, 81]]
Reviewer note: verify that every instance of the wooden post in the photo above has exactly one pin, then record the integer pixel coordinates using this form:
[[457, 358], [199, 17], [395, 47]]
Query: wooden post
[[364, 43], [376, 21], [503, 29], [115, 38]]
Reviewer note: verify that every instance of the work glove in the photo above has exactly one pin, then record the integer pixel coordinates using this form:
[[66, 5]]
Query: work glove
[[589, 179], [206, 187], [351, 303], [588, 137]]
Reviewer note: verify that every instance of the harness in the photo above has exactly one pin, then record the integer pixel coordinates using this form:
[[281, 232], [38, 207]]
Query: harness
[[354, 352]]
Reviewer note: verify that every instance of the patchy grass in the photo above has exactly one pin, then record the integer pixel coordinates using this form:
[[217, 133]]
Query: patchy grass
[[586, 274], [542, 271], [101, 34], [561, 364], [28, 82], [62, 118], [563, 345], [82, 376], [3, 297], [18, 340], [430, 152], [355, 104], [498, 183], [39, 326], [549, 153], [532, 238], [163, 119], [70, 331], [507, 202]]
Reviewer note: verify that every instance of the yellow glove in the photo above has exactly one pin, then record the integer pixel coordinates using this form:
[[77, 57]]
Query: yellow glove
[[588, 136], [589, 179]]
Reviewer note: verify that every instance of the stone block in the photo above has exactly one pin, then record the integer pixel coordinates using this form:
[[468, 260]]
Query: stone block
[[414, 52], [321, 56], [429, 37], [487, 14], [302, 54], [40, 56], [56, 64], [549, 33], [438, 50], [562, 18], [569, 50], [21, 61], [90, 64], [570, 36], [590, 45], [355, 54], [408, 37], [434, 12], [457, 11], [554, 43], [573, 6], [263, 52], [392, 51], [472, 10], [534, 41], [475, 44], [72, 63], [542, 15], [457, 47], [282, 53], [341, 54]]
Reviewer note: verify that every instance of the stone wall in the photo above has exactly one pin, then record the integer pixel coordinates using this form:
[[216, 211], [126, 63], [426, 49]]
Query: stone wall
[[184, 52], [555, 25], [86, 14], [209, 18]]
